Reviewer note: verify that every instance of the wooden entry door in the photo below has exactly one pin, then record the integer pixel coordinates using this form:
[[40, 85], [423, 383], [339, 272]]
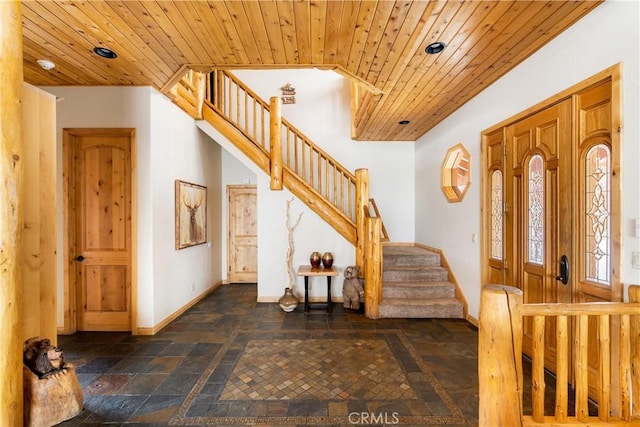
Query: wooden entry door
[[552, 196], [242, 226], [538, 193], [100, 197]]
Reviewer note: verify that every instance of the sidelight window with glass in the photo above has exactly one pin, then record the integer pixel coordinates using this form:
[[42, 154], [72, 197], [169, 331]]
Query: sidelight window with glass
[[597, 214]]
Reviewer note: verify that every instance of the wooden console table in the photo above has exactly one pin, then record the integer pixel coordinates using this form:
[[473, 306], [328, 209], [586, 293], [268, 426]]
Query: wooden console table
[[308, 271]]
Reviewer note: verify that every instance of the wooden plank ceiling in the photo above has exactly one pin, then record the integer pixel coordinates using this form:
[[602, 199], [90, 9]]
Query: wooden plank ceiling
[[381, 43]]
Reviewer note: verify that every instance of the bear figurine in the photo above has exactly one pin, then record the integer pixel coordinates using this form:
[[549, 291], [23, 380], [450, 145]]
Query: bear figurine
[[352, 288], [43, 359]]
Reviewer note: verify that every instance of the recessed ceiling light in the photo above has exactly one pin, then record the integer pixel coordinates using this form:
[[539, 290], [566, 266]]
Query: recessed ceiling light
[[105, 52], [45, 64], [435, 47], [404, 122]]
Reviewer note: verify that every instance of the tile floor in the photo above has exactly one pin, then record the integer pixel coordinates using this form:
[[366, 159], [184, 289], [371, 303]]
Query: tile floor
[[232, 361]]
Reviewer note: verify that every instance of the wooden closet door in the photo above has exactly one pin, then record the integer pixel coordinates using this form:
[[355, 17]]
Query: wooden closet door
[[242, 234], [102, 258]]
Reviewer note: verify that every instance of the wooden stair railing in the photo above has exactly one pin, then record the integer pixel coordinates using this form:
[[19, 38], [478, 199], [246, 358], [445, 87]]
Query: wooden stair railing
[[308, 171], [384, 236], [312, 164], [500, 361], [187, 89]]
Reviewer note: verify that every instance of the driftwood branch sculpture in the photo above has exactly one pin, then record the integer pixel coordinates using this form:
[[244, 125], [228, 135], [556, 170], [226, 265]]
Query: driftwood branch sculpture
[[291, 248]]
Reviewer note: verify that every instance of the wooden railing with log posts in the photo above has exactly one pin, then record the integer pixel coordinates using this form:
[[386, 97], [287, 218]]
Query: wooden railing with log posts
[[257, 128], [500, 361], [263, 124]]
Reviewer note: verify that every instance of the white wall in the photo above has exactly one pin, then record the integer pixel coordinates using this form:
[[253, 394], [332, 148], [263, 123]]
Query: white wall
[[608, 35], [313, 234], [168, 147], [180, 151]]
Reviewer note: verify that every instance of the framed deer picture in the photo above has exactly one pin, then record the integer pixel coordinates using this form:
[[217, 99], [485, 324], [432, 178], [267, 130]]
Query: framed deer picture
[[191, 214]]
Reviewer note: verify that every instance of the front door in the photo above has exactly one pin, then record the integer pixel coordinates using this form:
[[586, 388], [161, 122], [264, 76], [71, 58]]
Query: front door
[[100, 192], [242, 234], [550, 198], [538, 194]]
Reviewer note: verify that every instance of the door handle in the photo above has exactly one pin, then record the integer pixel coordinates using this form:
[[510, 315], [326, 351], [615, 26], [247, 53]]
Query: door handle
[[79, 258], [564, 270]]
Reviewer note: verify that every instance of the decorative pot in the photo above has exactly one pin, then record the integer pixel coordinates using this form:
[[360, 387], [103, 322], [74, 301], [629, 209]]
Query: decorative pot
[[315, 259], [327, 259], [288, 302]]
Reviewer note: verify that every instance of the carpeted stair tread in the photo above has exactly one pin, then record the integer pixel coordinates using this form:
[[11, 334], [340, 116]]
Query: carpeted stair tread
[[414, 273], [420, 308], [420, 301], [437, 289], [409, 256]]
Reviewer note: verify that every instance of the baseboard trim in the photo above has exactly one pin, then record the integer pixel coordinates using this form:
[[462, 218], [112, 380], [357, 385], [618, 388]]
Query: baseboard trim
[[311, 299], [157, 328]]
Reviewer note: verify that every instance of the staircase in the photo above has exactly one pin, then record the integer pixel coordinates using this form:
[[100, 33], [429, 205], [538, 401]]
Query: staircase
[[416, 285], [413, 282]]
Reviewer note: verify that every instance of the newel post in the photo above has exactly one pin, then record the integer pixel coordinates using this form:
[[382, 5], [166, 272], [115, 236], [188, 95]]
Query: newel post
[[11, 214], [362, 203], [373, 268], [275, 149], [500, 356]]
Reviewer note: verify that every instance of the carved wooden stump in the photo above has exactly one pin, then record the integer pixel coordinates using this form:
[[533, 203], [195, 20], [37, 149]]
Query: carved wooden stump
[[50, 401]]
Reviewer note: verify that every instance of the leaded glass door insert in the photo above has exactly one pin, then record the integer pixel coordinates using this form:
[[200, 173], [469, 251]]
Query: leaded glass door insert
[[597, 212], [538, 193]]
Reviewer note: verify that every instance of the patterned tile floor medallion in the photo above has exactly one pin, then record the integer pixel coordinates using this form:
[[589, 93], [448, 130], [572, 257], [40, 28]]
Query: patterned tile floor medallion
[[334, 378]]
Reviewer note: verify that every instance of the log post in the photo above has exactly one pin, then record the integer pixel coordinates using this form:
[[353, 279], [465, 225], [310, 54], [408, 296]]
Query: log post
[[362, 203], [634, 296], [373, 268], [11, 214], [500, 356], [354, 97], [201, 92], [39, 214], [275, 141]]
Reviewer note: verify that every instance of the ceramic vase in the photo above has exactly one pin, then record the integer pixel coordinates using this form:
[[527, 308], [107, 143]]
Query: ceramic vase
[[315, 259], [288, 302], [327, 259]]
